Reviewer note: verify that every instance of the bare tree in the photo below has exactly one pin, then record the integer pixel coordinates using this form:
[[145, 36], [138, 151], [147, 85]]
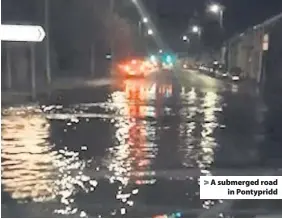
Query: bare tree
[[78, 25]]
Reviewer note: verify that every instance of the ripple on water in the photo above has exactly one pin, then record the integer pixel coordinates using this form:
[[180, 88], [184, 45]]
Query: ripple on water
[[34, 169], [31, 169]]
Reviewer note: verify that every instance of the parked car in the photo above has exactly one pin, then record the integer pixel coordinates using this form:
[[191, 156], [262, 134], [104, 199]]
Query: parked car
[[220, 70], [205, 69], [236, 74]]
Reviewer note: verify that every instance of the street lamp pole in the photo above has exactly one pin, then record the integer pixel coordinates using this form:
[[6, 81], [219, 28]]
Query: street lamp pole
[[112, 7], [47, 42], [221, 18], [197, 30], [217, 9], [140, 24], [140, 28]]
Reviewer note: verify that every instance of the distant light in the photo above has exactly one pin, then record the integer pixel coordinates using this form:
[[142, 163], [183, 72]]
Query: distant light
[[161, 216], [184, 38], [235, 78], [153, 58], [108, 56], [127, 68], [145, 20], [160, 51], [150, 32], [122, 211], [168, 59], [215, 8], [178, 214], [195, 29]]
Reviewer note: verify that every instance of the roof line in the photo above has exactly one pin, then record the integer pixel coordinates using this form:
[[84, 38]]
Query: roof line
[[261, 25], [270, 20]]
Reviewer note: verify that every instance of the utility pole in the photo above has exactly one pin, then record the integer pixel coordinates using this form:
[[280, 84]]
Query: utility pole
[[140, 28], [221, 19], [112, 42], [33, 71], [92, 59], [47, 42], [9, 67], [92, 49]]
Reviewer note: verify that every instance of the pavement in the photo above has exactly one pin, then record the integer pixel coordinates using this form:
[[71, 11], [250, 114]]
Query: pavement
[[18, 97], [135, 148]]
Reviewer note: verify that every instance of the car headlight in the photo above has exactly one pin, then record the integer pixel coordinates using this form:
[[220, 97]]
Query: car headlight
[[235, 78]]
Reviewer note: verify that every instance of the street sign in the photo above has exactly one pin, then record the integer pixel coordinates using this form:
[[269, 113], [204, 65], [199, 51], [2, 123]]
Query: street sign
[[22, 33]]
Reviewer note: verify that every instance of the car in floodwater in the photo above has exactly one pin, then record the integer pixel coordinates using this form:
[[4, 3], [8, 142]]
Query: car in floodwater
[[131, 68], [135, 68]]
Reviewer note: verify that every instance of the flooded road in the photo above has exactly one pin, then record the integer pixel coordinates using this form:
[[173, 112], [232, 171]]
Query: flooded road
[[132, 149]]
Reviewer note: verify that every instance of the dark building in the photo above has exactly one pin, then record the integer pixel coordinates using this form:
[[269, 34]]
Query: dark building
[[251, 50], [258, 52]]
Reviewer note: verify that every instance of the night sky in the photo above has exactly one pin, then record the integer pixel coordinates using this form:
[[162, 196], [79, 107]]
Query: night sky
[[239, 14], [172, 17]]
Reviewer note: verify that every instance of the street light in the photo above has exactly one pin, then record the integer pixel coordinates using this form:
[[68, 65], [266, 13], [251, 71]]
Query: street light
[[185, 38], [160, 51], [195, 29], [217, 9], [153, 58], [150, 32], [145, 20]]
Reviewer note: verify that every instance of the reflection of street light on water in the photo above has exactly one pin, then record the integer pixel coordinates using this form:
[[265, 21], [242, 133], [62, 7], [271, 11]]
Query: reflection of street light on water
[[129, 161], [34, 170]]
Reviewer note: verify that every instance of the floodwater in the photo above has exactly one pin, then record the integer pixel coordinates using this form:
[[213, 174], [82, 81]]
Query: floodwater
[[134, 150]]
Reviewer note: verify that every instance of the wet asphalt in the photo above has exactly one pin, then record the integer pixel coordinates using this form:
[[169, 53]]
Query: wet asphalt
[[136, 148]]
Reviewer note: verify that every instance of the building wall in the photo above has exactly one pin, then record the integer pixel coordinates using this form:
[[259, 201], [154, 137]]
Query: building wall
[[246, 50], [273, 59]]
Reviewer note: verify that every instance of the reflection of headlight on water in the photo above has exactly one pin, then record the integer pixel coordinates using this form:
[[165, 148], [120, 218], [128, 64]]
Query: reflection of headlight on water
[[234, 88]]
